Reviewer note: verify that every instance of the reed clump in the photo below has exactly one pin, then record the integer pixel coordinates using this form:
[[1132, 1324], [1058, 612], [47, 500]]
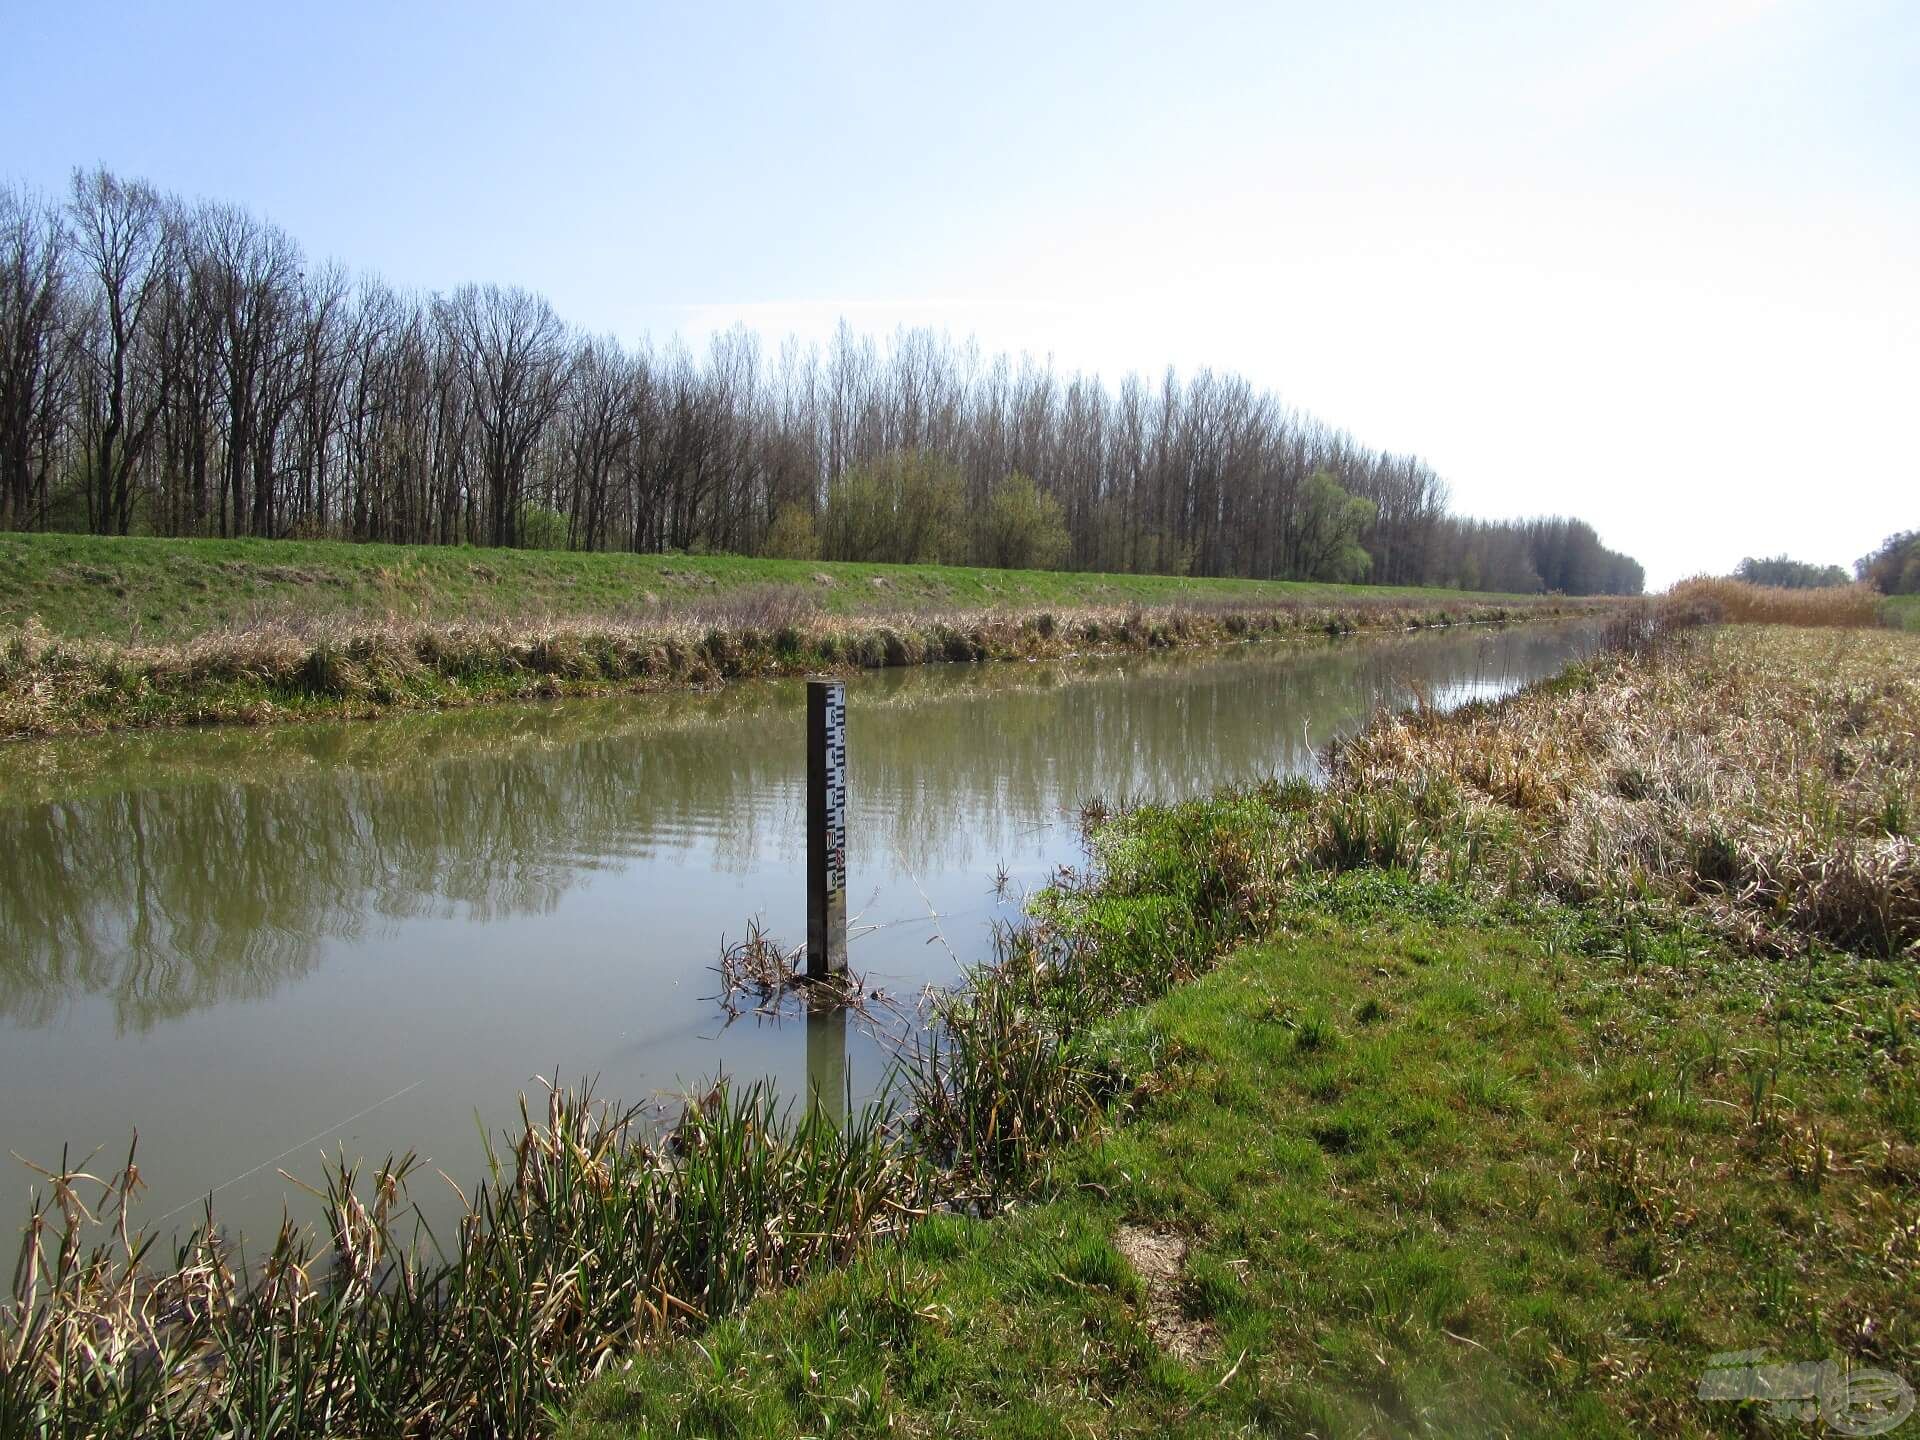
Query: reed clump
[[1000, 1079], [757, 972], [598, 1230], [1738, 603]]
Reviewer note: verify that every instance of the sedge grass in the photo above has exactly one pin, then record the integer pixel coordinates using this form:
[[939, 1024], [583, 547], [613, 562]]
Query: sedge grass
[[594, 1234]]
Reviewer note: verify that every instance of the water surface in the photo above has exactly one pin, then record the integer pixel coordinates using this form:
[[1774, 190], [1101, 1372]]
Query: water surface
[[256, 947]]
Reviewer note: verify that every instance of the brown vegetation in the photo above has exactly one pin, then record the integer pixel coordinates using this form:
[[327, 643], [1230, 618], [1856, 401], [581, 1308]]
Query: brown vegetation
[[1740, 603], [599, 1229], [1771, 778], [293, 669]]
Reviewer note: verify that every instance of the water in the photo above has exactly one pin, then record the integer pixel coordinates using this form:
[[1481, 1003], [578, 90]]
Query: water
[[259, 947]]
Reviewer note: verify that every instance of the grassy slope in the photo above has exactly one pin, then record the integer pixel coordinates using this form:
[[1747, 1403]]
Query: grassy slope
[[1449, 1158], [1904, 611], [86, 587], [1441, 1173]]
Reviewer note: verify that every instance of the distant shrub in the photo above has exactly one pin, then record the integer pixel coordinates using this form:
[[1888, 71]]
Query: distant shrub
[[1021, 528], [906, 508], [541, 527], [1789, 574], [792, 535]]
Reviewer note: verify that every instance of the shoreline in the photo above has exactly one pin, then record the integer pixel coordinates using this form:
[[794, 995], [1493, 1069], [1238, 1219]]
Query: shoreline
[[1302, 1101], [342, 670]]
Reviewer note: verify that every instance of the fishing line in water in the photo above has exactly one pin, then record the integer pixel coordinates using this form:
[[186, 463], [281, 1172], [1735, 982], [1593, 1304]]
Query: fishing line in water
[[292, 1149]]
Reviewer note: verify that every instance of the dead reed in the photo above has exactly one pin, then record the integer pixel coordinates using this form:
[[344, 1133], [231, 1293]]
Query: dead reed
[[1738, 603], [758, 973], [1767, 777]]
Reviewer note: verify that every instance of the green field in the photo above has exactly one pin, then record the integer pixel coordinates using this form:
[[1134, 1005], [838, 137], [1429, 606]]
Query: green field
[[120, 589], [1903, 611]]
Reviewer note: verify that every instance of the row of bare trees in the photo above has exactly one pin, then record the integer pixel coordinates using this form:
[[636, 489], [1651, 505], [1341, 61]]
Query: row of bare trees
[[184, 369]]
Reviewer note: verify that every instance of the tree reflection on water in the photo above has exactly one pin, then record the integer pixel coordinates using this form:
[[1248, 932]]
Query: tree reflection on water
[[170, 871]]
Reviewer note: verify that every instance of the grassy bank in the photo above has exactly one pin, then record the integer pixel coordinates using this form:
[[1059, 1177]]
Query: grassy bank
[[83, 587], [311, 642], [1478, 1125], [1550, 1048], [1423, 1168]]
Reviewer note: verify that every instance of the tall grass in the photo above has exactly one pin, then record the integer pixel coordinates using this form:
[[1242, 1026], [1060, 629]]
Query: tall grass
[[1736, 602], [1767, 779], [594, 1233]]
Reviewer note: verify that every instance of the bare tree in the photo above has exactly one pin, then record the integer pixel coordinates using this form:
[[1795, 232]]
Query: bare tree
[[33, 358], [601, 428], [122, 239], [514, 357], [286, 399]]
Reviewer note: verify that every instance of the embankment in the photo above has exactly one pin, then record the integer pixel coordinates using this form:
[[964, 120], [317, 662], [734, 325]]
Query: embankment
[[231, 642]]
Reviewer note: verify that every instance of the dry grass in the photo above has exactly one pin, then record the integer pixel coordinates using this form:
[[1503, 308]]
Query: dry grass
[[1771, 777], [598, 1231], [1739, 603], [282, 669]]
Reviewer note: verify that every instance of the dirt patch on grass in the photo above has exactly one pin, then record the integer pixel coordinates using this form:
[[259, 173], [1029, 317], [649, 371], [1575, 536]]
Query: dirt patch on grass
[[1159, 1258]]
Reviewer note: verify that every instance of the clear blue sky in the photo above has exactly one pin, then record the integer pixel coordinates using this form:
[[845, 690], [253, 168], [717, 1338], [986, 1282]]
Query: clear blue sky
[[1657, 264]]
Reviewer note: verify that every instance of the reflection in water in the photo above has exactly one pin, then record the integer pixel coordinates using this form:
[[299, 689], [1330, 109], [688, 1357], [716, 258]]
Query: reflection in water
[[213, 864], [268, 930], [827, 1060]]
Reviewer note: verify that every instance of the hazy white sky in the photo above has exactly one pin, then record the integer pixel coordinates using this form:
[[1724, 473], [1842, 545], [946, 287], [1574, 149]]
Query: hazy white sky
[[1654, 264]]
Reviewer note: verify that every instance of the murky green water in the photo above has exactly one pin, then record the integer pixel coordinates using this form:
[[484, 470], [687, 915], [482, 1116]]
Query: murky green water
[[258, 946]]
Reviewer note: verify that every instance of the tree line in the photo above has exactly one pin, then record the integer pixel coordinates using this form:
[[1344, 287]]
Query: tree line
[[184, 369], [1893, 569], [1789, 574]]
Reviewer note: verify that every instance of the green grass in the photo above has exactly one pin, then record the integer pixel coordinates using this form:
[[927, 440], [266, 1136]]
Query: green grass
[[1903, 611], [85, 587], [1441, 1169]]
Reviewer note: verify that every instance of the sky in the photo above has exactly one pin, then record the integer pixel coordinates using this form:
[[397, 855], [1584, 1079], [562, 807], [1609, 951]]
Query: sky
[[1653, 264]]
